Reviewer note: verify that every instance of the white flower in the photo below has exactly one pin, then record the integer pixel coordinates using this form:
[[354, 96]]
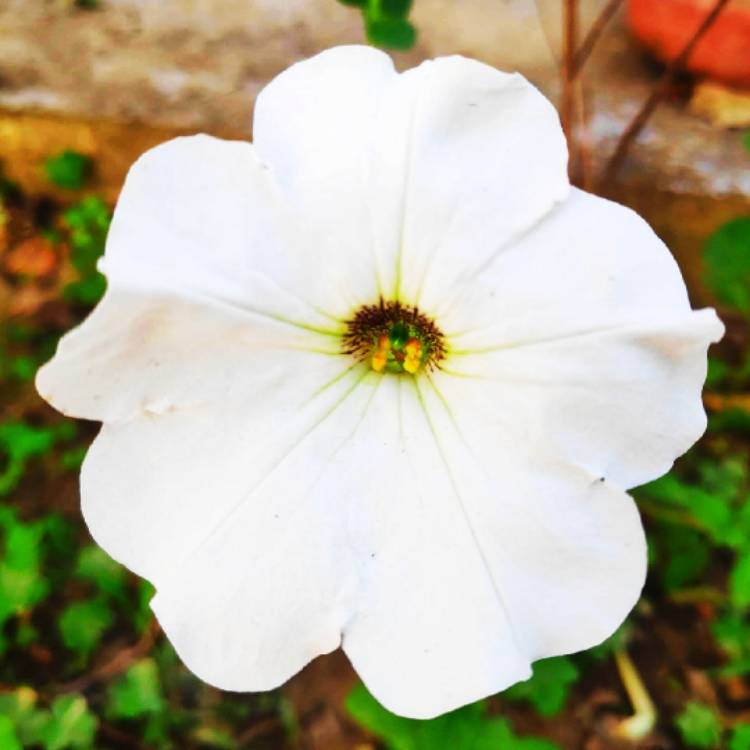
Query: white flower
[[381, 380]]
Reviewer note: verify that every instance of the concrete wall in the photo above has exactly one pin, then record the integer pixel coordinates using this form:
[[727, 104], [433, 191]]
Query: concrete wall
[[199, 63]]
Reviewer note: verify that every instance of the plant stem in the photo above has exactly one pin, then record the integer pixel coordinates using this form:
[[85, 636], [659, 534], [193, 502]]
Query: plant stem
[[667, 514], [698, 595], [583, 142], [594, 34], [119, 663], [660, 91], [643, 720], [567, 103]]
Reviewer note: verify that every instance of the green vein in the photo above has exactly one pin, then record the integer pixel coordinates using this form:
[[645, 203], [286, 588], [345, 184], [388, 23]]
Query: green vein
[[326, 415], [465, 514]]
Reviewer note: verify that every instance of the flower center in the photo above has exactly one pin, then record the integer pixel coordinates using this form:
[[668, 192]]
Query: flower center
[[394, 337]]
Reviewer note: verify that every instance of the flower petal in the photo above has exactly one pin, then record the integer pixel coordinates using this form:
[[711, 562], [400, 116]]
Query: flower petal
[[359, 513], [582, 339], [409, 177], [477, 564], [624, 403], [200, 217], [356, 533], [588, 265], [358, 180], [232, 514], [312, 127], [153, 487], [138, 354]]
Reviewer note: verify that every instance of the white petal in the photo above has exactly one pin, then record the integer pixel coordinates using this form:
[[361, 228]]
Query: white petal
[[487, 160], [200, 217], [351, 512], [409, 178], [153, 354], [272, 582], [582, 339], [363, 178], [253, 566], [356, 533], [479, 562], [312, 126], [588, 265], [623, 402], [153, 485]]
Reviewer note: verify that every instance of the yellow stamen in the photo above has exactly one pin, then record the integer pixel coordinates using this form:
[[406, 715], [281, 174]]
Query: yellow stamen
[[380, 357], [413, 348], [379, 360], [413, 358], [411, 365]]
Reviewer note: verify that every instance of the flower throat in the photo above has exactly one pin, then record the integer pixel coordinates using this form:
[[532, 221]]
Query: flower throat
[[394, 338]]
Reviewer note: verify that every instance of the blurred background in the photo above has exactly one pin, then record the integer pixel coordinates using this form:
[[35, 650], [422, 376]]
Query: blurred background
[[655, 96]]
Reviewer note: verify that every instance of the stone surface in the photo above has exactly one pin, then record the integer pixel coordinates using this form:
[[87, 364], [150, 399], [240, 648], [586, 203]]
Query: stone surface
[[198, 64], [721, 105], [678, 150]]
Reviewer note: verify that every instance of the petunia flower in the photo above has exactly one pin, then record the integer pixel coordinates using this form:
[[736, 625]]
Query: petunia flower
[[381, 380]]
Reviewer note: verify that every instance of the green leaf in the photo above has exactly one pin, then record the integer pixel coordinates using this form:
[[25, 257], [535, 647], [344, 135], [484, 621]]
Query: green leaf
[[214, 737], [547, 690], [739, 581], [20, 708], [96, 566], [732, 420], [22, 545], [727, 260], [88, 223], [65, 431], [397, 8], [141, 615], [718, 370], [354, 3], [137, 693], [708, 504], [687, 556], [82, 625], [26, 634], [87, 291], [21, 584], [740, 739], [699, 726], [746, 139], [20, 590], [8, 737], [391, 33], [90, 217], [23, 368], [732, 634], [18, 443], [468, 727], [72, 459], [60, 536], [71, 725], [68, 169]]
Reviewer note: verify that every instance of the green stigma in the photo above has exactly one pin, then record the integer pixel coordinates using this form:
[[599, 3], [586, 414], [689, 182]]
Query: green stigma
[[394, 338]]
